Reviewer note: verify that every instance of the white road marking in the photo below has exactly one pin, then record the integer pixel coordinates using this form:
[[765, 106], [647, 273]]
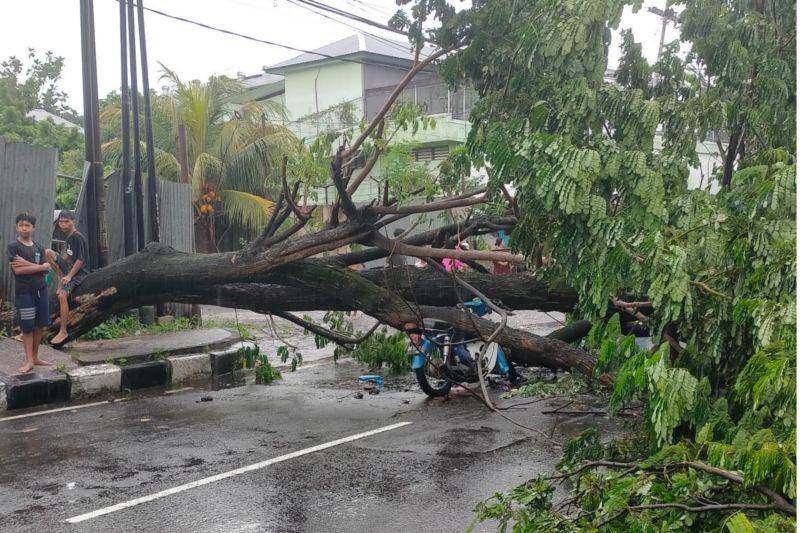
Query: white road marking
[[40, 413], [72, 408], [175, 391], [231, 473]]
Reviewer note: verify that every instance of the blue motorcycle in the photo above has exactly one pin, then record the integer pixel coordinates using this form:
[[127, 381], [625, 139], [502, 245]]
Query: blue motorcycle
[[443, 355]]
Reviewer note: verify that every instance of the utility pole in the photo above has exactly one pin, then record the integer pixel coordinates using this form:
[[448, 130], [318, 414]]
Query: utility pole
[[152, 189], [137, 143], [667, 15], [99, 183], [127, 177], [95, 188], [91, 213]]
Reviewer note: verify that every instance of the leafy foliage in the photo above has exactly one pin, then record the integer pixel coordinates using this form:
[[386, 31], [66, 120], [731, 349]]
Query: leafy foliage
[[285, 352], [234, 156], [567, 384], [23, 89], [383, 349], [601, 171], [251, 357]]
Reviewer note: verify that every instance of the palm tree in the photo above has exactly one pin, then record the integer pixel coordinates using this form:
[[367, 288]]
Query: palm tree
[[234, 154]]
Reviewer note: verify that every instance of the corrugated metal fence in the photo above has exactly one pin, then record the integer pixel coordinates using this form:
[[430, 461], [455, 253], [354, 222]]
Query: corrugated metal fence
[[175, 208], [28, 183], [177, 221]]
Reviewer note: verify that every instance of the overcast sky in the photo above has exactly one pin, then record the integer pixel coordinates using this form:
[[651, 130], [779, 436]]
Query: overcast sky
[[195, 52]]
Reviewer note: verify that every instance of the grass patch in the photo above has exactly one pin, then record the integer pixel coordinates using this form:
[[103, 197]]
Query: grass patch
[[127, 326]]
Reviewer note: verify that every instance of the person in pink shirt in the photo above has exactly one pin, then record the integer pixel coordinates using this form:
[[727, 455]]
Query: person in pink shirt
[[451, 264]]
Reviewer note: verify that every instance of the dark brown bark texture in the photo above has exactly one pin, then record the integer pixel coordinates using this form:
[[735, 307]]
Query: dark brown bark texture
[[269, 283]]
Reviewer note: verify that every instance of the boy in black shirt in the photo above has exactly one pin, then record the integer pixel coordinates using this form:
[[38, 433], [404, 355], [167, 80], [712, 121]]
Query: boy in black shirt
[[71, 266], [30, 268]]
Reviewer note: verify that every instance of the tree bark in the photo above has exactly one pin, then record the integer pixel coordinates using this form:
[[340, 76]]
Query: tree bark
[[396, 297]]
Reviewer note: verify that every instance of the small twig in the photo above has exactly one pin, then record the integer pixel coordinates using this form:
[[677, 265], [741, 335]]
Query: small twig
[[511, 201], [341, 340], [290, 197], [702, 286], [278, 335], [706, 508], [557, 409], [593, 413], [533, 401], [627, 307]]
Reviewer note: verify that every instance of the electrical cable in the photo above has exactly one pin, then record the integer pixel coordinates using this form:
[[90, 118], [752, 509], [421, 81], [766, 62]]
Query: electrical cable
[[270, 43], [393, 44], [351, 16]]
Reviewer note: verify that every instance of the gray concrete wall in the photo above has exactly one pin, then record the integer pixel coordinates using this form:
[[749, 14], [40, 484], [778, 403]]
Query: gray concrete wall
[[28, 183]]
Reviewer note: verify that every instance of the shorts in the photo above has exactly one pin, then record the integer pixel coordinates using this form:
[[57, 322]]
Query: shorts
[[33, 310], [75, 281]]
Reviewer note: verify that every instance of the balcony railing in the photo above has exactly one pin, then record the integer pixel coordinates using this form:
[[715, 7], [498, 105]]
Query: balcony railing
[[434, 98]]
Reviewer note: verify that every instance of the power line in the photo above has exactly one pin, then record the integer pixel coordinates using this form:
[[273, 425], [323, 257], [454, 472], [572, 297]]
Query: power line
[[267, 42], [352, 16], [389, 42]]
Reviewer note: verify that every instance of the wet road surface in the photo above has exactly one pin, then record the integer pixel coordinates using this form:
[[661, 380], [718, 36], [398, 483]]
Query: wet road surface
[[424, 476]]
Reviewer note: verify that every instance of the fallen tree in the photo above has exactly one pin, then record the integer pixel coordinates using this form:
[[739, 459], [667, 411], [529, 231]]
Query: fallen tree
[[285, 269]]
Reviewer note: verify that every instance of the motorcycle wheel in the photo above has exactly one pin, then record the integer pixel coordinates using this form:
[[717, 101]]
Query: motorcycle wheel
[[431, 381]]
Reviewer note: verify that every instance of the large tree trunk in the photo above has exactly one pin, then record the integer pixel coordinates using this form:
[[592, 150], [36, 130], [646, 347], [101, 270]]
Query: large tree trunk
[[396, 297]]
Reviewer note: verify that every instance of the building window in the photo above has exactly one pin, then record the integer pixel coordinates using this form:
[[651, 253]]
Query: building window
[[433, 153]]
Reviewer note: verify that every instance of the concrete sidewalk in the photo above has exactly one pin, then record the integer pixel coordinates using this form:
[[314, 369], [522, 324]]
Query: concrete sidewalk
[[142, 348], [85, 369], [107, 367]]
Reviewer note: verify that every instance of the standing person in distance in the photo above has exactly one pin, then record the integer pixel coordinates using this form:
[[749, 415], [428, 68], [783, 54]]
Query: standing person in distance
[[30, 268], [451, 264], [71, 266], [500, 267]]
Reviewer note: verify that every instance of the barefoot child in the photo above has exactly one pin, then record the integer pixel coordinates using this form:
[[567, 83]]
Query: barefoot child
[[30, 267], [71, 268]]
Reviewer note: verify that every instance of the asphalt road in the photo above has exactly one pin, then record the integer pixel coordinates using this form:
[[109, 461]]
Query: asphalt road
[[149, 452]]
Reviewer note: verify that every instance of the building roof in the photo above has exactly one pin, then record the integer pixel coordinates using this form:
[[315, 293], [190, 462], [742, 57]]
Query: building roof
[[40, 114], [257, 80], [354, 45]]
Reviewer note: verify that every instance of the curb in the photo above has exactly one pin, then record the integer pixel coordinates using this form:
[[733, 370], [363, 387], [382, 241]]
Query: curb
[[142, 375], [89, 381], [228, 360], [188, 367], [30, 390]]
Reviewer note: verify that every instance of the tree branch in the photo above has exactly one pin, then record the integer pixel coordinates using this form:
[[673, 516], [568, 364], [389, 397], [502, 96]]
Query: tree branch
[[290, 197], [395, 94], [352, 187], [338, 338], [441, 253], [425, 208], [778, 502], [345, 200]]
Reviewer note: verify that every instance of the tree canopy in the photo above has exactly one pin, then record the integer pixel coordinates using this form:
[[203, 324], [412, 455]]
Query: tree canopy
[[23, 89], [600, 167]]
